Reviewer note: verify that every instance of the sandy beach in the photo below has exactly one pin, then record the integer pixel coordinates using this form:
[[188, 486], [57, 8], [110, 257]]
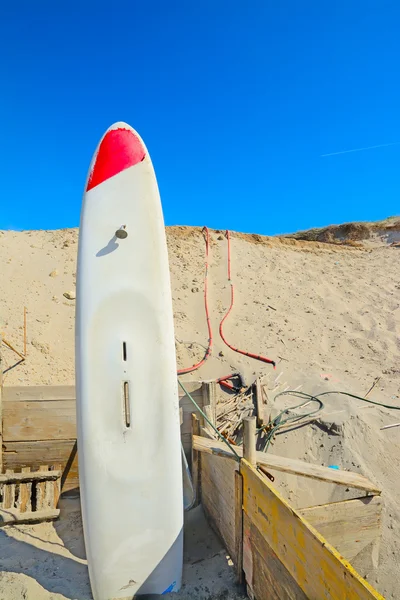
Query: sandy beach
[[328, 314]]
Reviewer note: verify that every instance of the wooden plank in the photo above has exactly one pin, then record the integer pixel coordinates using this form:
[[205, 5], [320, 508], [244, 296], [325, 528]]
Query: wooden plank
[[249, 440], [8, 492], [268, 576], [44, 412], [312, 562], [218, 498], [48, 412], [186, 440], [29, 393], [191, 386], [196, 458], [186, 402], [239, 526], [25, 490], [349, 525], [39, 420], [40, 425], [22, 454], [188, 409], [26, 475], [10, 516], [290, 465], [247, 549]]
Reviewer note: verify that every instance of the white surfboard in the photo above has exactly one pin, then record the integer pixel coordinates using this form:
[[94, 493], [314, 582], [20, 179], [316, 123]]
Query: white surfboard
[[127, 398]]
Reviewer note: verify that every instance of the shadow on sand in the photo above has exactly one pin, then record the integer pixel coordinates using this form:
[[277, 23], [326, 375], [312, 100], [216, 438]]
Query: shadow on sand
[[54, 572]]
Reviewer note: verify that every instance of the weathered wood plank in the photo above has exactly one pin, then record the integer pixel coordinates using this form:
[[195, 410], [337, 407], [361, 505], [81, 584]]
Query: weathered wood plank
[[22, 454], [40, 426], [41, 420], [37, 413], [290, 465], [218, 498], [34, 393], [188, 409], [239, 526], [196, 460], [25, 490], [247, 549], [268, 576], [192, 387], [349, 525], [249, 440], [315, 565], [27, 393], [8, 492], [27, 475], [10, 516]]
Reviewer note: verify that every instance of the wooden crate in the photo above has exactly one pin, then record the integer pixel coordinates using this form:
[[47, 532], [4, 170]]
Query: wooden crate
[[28, 496]]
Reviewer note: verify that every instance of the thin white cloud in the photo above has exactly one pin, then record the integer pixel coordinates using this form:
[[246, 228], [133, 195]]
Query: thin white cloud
[[360, 149]]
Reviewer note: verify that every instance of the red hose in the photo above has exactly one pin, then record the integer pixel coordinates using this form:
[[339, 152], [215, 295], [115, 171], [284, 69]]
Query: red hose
[[224, 381], [250, 354], [210, 337]]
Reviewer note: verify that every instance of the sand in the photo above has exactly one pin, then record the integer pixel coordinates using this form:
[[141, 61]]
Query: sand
[[329, 315]]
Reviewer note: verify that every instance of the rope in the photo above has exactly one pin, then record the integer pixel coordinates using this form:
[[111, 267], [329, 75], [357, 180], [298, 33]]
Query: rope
[[210, 336], [221, 332], [279, 421], [238, 458], [390, 407], [275, 424]]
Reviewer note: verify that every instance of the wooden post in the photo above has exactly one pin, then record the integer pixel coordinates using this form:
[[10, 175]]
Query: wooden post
[[261, 405], [209, 414], [239, 525], [196, 458], [249, 440], [210, 397]]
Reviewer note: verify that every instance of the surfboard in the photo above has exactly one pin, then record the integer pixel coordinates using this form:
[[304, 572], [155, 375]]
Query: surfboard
[[128, 424]]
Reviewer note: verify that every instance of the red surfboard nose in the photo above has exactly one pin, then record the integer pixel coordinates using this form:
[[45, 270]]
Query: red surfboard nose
[[119, 150]]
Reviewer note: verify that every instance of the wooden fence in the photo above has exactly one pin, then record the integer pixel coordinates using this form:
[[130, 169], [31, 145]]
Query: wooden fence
[[38, 426], [282, 552]]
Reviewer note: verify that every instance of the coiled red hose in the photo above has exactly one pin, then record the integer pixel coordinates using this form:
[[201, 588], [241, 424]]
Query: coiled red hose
[[210, 335], [221, 332]]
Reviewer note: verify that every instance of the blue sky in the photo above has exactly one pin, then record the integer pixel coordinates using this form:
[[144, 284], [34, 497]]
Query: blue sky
[[236, 102]]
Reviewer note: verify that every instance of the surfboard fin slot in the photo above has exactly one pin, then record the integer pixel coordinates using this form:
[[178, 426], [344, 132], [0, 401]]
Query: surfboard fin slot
[[127, 408], [124, 354]]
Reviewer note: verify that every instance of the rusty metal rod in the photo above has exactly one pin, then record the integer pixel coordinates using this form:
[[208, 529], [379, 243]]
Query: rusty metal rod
[[12, 348]]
